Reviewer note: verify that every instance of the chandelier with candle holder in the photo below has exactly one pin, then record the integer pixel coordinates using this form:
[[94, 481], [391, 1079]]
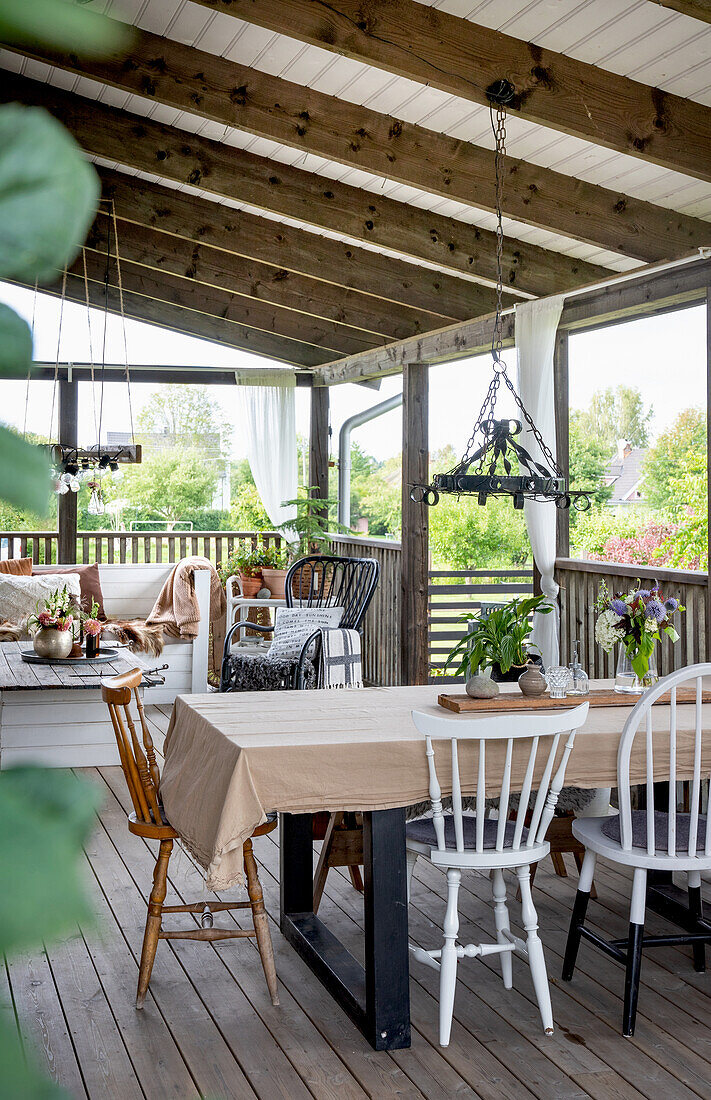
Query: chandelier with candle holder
[[495, 462]]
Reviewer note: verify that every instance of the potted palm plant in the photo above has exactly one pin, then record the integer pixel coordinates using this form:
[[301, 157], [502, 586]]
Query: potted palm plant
[[499, 640], [311, 526]]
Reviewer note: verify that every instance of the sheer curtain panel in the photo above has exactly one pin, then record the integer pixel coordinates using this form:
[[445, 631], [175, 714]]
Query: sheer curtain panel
[[536, 326], [267, 417]]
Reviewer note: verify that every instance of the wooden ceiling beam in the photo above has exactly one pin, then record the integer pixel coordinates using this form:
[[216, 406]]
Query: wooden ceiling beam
[[329, 309], [178, 318], [695, 9], [327, 204], [463, 58], [234, 95], [248, 313], [339, 277]]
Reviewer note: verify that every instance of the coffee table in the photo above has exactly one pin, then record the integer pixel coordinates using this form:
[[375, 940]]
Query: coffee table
[[53, 715]]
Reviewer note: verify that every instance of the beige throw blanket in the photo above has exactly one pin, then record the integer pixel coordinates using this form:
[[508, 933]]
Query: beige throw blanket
[[177, 610]]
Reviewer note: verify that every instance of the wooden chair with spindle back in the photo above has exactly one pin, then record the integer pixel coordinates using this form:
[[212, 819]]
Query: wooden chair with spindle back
[[148, 820], [652, 839], [455, 842]]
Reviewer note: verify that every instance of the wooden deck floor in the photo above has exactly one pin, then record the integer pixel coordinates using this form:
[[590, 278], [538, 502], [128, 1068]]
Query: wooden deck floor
[[209, 1029]]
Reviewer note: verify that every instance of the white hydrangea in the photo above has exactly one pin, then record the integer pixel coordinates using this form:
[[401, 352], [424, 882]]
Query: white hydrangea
[[650, 625], [607, 630]]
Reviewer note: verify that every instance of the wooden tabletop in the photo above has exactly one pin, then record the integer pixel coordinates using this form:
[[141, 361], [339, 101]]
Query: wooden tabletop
[[18, 675]]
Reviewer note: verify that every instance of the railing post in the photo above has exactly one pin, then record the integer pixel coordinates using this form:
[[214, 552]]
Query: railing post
[[67, 503], [414, 640]]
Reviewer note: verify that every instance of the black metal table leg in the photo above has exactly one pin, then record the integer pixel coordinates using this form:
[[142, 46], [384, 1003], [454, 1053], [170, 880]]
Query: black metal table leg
[[376, 997]]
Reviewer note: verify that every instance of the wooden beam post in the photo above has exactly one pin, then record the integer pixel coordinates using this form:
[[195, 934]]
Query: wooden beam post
[[67, 503], [708, 468], [414, 631], [561, 390], [319, 441]]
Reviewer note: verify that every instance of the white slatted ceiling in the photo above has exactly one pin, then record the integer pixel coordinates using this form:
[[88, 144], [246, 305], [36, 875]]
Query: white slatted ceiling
[[635, 38]]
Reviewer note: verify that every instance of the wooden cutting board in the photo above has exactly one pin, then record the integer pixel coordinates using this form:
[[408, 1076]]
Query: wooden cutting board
[[597, 697]]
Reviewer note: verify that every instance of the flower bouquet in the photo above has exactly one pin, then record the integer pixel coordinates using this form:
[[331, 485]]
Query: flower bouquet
[[635, 621], [92, 629], [52, 626]]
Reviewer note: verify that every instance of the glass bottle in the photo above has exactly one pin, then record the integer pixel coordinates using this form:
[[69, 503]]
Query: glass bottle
[[581, 682]]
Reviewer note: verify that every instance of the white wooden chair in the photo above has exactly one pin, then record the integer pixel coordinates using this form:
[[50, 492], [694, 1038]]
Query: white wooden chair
[[648, 840], [458, 842]]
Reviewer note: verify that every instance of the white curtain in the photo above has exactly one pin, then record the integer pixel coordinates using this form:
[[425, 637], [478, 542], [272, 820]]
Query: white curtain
[[536, 325], [267, 418]]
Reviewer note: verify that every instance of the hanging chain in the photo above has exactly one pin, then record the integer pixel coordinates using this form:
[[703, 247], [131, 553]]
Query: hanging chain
[[498, 125]]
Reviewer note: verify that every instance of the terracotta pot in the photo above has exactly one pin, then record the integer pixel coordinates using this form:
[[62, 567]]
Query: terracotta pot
[[251, 585], [274, 580], [53, 643]]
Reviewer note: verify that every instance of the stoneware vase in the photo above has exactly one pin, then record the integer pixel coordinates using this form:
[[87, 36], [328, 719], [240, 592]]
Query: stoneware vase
[[532, 682], [53, 643]]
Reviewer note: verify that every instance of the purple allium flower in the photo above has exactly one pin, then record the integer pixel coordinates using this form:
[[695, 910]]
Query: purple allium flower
[[643, 593], [671, 605], [656, 610], [618, 606]]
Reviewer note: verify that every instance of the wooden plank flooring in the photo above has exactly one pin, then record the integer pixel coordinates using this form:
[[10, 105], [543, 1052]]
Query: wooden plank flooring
[[209, 1029]]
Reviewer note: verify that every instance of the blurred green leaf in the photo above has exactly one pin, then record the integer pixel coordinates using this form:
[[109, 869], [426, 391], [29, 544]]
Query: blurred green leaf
[[48, 194], [64, 25], [20, 1079], [15, 344], [45, 816], [28, 487]]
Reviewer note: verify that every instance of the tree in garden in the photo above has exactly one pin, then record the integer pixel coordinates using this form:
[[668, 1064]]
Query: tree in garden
[[182, 410], [617, 414], [589, 458], [169, 484], [683, 445], [247, 513]]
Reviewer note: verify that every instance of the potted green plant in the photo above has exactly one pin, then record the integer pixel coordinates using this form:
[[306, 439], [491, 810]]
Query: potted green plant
[[499, 640], [249, 567], [275, 565]]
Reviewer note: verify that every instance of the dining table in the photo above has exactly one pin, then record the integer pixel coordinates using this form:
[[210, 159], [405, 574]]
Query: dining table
[[231, 759]]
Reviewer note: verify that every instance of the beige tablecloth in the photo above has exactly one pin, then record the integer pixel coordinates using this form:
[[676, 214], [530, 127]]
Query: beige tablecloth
[[232, 758]]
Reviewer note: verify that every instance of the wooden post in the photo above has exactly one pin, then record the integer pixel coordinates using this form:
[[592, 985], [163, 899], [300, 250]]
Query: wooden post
[[561, 390], [705, 657], [67, 503], [414, 631], [319, 441]]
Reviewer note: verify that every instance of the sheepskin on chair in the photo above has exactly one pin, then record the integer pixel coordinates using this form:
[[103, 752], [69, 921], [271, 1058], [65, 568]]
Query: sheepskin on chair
[[253, 672]]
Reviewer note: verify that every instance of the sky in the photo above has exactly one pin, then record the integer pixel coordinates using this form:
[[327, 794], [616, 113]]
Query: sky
[[665, 357]]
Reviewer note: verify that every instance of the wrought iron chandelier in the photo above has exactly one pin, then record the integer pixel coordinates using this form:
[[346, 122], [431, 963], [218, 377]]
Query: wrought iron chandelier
[[495, 463]]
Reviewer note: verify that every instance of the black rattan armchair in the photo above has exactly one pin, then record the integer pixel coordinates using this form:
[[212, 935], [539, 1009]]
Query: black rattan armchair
[[313, 581]]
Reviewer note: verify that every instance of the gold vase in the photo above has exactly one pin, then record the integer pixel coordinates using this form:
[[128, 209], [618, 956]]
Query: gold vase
[[50, 642]]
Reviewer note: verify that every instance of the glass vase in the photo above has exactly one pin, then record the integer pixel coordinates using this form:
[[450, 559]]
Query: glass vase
[[626, 679]]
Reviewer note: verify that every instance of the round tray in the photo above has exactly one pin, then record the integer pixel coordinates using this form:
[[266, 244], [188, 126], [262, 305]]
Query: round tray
[[103, 656]]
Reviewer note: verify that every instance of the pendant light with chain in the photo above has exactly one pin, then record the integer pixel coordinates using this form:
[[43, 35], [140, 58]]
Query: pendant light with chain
[[495, 462]]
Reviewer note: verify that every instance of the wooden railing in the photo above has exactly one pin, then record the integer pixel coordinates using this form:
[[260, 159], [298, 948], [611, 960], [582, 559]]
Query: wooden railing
[[114, 547], [452, 592], [381, 636], [579, 585]]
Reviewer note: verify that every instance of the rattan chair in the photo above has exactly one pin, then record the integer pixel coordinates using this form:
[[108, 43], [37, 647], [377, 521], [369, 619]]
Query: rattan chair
[[148, 820]]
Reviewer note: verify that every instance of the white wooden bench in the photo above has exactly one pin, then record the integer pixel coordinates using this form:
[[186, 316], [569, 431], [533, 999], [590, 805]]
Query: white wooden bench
[[130, 592]]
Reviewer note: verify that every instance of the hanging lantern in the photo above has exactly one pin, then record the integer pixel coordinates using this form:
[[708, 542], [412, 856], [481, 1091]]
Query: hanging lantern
[[96, 506], [495, 462]]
